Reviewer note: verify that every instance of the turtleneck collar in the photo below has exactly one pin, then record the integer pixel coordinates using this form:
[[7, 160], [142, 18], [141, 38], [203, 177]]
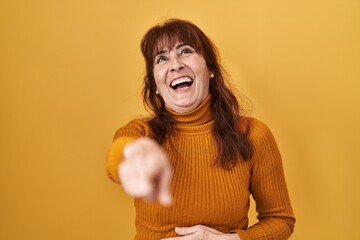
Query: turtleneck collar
[[198, 120]]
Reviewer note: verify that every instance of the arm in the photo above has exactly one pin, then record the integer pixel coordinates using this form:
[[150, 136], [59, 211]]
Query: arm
[[140, 164], [123, 136], [268, 187]]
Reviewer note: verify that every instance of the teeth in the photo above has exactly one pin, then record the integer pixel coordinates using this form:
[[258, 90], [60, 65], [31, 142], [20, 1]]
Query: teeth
[[180, 80]]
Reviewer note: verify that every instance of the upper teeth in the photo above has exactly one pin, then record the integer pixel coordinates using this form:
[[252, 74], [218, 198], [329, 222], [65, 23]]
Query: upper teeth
[[180, 80]]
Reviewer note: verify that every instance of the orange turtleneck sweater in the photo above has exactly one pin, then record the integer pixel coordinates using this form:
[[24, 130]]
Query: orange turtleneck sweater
[[204, 193]]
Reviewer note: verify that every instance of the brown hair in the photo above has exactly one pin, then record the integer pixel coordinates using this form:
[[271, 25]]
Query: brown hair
[[231, 129]]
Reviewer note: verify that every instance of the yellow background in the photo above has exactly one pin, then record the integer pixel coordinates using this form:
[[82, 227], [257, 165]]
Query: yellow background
[[71, 74]]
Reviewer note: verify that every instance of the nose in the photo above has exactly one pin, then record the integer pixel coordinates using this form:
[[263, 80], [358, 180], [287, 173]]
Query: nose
[[176, 64]]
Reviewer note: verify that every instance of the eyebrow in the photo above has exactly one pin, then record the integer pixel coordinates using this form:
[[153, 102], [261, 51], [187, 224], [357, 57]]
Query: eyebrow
[[176, 48], [180, 45]]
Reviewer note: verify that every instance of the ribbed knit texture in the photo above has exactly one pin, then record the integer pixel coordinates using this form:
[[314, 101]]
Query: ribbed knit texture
[[203, 192]]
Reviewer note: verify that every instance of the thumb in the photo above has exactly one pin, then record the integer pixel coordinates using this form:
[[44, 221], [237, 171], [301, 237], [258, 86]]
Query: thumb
[[185, 230]]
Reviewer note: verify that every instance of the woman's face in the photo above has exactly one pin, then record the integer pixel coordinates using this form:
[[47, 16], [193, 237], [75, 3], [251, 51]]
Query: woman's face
[[182, 77]]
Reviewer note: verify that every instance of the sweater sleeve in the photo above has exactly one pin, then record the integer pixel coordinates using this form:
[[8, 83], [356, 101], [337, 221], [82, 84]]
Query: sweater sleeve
[[124, 135], [268, 187]]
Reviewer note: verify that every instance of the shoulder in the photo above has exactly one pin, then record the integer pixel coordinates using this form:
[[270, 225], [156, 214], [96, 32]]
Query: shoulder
[[264, 144], [134, 128], [258, 127], [260, 133]]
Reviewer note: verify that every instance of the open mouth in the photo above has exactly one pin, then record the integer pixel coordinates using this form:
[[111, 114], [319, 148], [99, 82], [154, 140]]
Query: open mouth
[[181, 83]]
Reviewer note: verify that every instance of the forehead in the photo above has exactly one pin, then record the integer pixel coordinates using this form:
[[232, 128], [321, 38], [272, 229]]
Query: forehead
[[166, 42]]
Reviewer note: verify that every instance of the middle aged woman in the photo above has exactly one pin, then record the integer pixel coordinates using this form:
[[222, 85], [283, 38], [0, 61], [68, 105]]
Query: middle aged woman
[[194, 163]]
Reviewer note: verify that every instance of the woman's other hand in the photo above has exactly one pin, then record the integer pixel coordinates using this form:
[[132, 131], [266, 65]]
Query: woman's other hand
[[201, 232], [145, 171]]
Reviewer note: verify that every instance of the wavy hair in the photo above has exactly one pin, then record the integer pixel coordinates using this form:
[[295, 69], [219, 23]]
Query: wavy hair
[[231, 128]]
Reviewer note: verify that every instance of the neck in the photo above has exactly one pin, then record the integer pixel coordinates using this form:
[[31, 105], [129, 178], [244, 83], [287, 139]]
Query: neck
[[200, 116]]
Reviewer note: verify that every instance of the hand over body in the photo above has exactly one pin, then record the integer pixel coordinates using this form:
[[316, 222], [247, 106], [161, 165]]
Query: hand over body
[[201, 232], [146, 173]]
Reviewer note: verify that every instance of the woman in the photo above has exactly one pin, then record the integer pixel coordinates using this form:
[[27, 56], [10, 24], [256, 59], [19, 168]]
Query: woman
[[193, 164]]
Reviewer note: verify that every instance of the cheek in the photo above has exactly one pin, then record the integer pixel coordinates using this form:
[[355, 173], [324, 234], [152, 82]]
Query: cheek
[[201, 67], [206, 85], [205, 79], [159, 76]]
